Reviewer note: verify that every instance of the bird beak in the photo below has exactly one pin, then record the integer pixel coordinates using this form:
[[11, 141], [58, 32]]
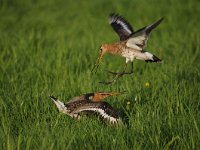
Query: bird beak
[[99, 96], [98, 61]]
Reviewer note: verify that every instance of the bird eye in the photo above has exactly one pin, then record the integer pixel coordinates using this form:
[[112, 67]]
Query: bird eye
[[91, 97]]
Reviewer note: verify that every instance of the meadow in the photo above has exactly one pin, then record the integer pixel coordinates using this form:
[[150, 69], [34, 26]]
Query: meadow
[[48, 47]]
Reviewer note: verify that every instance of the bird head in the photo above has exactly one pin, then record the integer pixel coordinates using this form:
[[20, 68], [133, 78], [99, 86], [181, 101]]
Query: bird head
[[104, 48]]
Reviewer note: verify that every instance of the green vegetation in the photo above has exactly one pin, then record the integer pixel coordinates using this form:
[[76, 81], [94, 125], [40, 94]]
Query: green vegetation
[[49, 47]]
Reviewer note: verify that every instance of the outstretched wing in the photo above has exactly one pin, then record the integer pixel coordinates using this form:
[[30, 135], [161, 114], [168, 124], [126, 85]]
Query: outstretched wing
[[102, 109], [121, 26], [138, 40]]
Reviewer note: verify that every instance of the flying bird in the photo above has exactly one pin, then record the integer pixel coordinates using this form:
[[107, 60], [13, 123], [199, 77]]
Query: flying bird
[[90, 103], [131, 44]]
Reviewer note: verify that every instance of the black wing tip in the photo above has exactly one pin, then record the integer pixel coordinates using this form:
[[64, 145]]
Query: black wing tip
[[154, 25], [160, 20], [120, 25], [113, 14], [116, 16], [157, 22], [52, 97]]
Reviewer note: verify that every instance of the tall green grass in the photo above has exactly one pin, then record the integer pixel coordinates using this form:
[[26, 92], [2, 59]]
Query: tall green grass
[[49, 47]]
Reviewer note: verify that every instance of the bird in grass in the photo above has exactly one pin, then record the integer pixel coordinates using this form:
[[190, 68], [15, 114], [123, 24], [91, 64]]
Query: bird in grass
[[131, 44], [90, 103]]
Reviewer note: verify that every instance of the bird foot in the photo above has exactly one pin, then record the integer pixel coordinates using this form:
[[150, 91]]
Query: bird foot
[[107, 83], [117, 76]]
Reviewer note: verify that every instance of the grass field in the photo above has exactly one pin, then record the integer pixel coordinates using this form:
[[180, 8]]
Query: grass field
[[49, 47]]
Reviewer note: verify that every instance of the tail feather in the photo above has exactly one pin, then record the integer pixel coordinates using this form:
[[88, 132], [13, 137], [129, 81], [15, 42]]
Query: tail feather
[[156, 59], [152, 58], [60, 105]]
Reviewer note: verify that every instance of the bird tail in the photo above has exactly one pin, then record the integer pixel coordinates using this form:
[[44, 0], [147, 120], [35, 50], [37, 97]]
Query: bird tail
[[60, 105], [152, 58]]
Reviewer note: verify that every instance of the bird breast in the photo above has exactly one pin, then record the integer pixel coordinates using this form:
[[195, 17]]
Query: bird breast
[[129, 53]]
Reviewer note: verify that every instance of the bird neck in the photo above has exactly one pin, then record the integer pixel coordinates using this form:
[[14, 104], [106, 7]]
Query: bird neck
[[112, 48]]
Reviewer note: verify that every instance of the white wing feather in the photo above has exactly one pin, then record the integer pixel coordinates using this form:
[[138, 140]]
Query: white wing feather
[[137, 42]]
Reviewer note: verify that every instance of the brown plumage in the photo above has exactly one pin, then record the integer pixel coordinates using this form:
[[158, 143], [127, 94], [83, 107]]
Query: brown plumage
[[131, 44], [90, 103]]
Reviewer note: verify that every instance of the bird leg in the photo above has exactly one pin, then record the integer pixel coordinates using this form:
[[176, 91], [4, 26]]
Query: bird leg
[[123, 72], [98, 61], [118, 74], [113, 80]]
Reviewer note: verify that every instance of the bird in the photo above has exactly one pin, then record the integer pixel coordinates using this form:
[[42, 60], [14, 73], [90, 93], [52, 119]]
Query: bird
[[131, 44], [89, 103]]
